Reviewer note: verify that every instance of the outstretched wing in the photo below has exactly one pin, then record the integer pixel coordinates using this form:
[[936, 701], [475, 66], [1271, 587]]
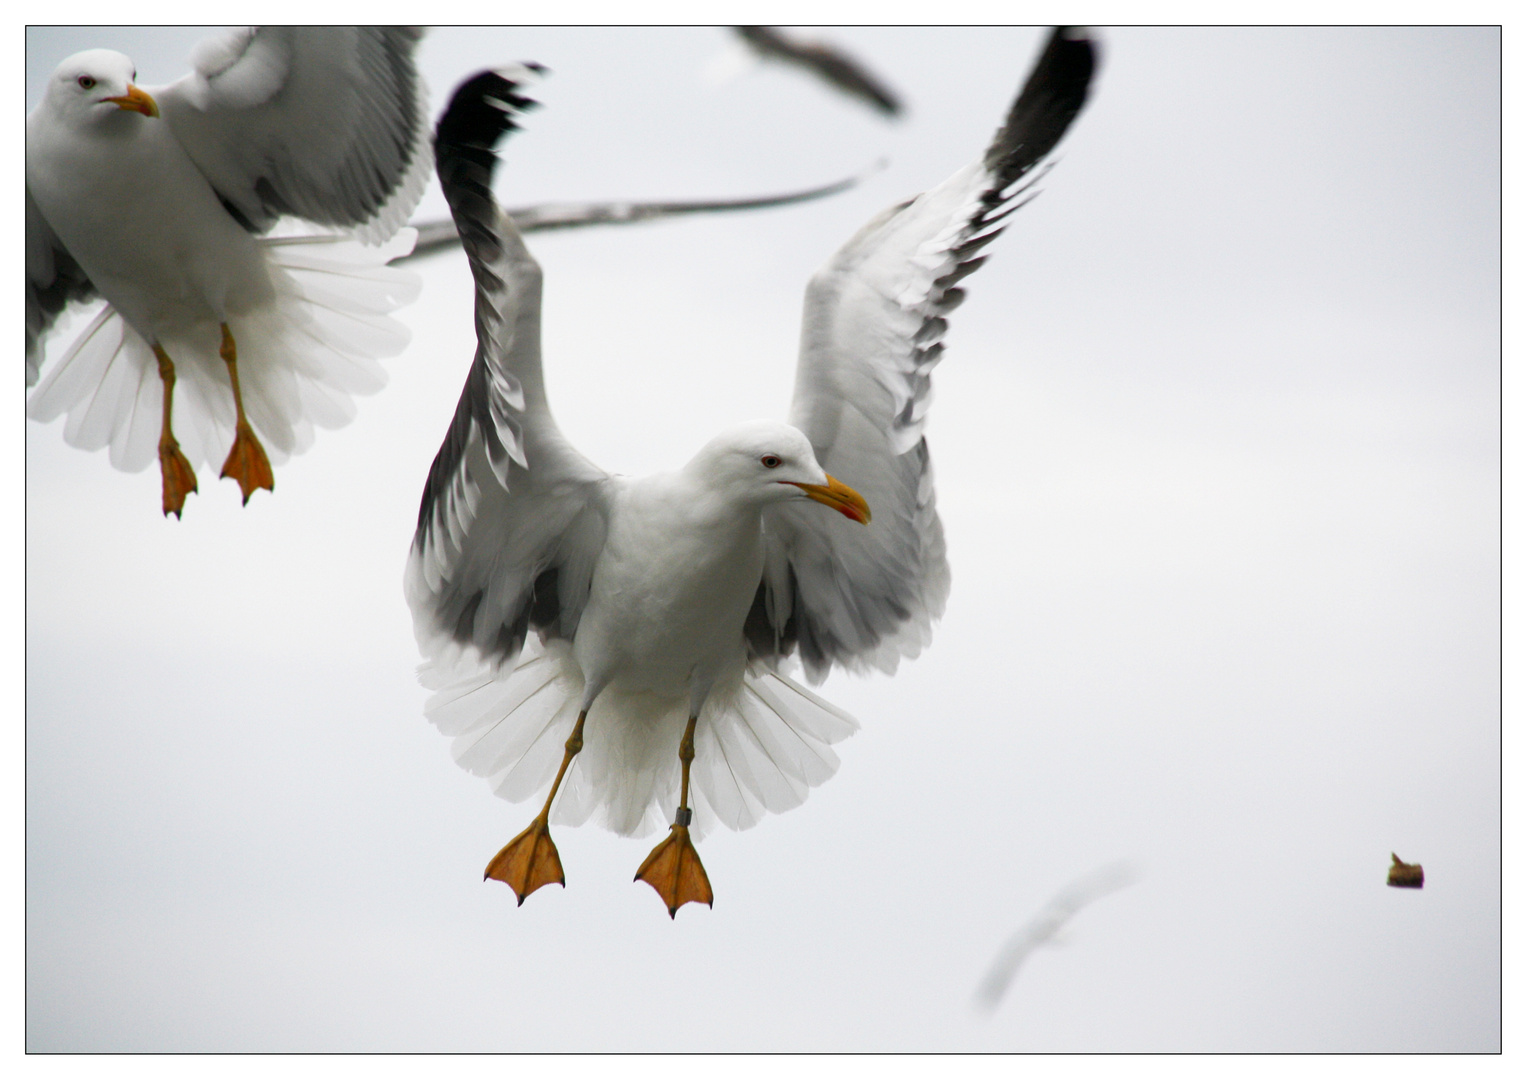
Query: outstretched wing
[[54, 281], [512, 516], [833, 66], [327, 123], [874, 318], [441, 234]]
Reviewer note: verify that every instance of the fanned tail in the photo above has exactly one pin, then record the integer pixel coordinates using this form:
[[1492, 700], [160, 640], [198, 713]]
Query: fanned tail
[[761, 745], [301, 360], [764, 751]]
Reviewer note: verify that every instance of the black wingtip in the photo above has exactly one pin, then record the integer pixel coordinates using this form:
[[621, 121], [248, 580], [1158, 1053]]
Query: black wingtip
[[1070, 58], [481, 111], [483, 108], [1052, 97]]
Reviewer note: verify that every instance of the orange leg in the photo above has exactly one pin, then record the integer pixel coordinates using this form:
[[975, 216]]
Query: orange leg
[[177, 476], [674, 868], [530, 860], [246, 462]]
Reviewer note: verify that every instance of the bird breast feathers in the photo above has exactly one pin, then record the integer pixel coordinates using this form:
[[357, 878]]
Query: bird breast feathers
[[667, 536], [672, 567]]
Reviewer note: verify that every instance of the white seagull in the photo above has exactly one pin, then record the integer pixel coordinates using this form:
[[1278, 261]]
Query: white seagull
[[615, 619], [155, 201]]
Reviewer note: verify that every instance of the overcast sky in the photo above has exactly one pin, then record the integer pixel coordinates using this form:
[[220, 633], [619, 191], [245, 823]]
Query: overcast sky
[[1216, 439]]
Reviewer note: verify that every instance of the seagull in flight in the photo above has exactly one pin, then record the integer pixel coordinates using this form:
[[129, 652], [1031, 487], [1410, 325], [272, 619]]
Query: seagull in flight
[[618, 644], [157, 201], [1046, 925]]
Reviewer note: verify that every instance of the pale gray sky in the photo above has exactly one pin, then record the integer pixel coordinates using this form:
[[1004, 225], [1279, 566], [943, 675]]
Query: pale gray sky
[[1217, 447]]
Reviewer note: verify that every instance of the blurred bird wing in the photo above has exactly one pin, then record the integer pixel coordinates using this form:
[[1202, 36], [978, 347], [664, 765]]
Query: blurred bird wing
[[54, 280], [832, 65], [1045, 927], [437, 235], [326, 123], [513, 517], [874, 319]]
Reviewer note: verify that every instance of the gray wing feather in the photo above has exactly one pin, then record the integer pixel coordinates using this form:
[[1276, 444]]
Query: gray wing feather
[[1043, 928], [438, 235], [831, 65], [54, 281], [871, 335], [512, 516], [326, 123]]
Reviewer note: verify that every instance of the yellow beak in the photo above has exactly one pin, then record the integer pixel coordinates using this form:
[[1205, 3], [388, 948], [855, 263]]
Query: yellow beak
[[842, 498], [137, 101]]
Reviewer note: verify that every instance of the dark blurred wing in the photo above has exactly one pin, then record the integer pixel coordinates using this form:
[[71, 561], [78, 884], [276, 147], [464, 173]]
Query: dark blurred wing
[[438, 235], [831, 65], [327, 123], [54, 281], [875, 314], [512, 516]]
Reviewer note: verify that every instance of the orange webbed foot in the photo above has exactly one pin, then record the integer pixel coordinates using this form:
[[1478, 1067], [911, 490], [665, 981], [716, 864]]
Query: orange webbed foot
[[179, 479], [675, 871], [528, 861], [247, 463]]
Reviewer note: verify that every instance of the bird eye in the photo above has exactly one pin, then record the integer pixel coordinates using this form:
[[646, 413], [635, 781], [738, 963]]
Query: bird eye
[[770, 461], [86, 82]]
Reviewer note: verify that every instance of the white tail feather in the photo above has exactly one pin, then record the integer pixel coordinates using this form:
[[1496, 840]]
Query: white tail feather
[[301, 358], [761, 744]]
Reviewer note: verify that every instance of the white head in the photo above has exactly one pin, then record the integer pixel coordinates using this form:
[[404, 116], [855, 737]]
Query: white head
[[95, 84], [767, 462]]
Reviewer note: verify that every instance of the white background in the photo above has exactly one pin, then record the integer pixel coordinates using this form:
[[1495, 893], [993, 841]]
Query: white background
[[1217, 445]]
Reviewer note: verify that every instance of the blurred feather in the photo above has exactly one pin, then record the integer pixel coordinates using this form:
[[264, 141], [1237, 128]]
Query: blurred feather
[[1043, 928], [439, 234], [832, 65]]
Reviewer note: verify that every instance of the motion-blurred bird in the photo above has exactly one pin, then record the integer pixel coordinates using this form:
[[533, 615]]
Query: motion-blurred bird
[[153, 199], [1046, 925], [828, 63], [439, 235], [550, 596]]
